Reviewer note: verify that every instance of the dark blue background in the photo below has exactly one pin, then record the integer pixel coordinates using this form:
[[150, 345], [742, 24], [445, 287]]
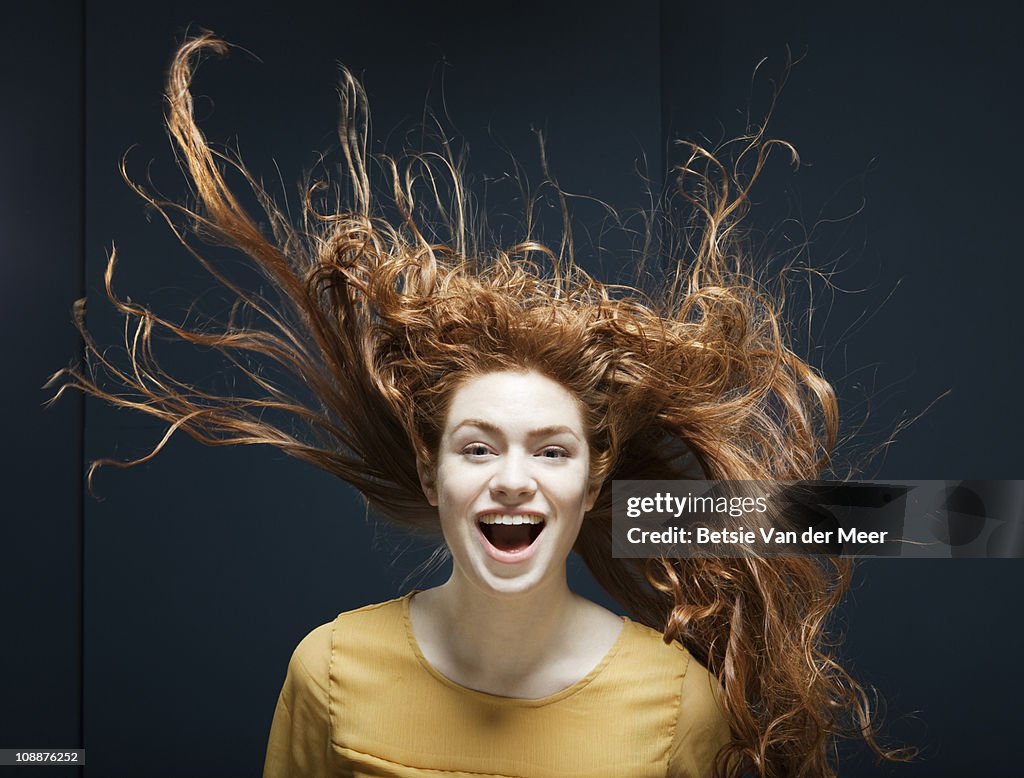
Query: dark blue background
[[153, 625]]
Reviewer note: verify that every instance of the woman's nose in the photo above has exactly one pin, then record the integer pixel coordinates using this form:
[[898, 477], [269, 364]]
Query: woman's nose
[[512, 478]]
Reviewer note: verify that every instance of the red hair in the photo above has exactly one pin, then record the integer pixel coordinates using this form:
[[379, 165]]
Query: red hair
[[380, 320]]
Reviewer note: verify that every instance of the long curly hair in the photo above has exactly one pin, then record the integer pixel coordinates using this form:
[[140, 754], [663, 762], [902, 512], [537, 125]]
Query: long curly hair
[[380, 319]]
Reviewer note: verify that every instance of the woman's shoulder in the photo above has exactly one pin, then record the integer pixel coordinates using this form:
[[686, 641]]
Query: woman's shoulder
[[311, 659], [699, 687], [648, 658], [647, 648], [300, 732], [702, 726]]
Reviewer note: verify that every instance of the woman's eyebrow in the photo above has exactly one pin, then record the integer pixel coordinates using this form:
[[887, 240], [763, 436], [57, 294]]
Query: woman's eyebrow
[[554, 429]]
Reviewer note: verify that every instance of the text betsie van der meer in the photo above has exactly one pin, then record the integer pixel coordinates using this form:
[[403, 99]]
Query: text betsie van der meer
[[669, 520]]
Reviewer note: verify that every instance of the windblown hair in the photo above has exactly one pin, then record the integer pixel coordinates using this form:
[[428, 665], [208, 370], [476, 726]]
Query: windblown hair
[[382, 319]]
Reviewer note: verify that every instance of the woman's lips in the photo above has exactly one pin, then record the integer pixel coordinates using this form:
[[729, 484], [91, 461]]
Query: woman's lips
[[510, 537]]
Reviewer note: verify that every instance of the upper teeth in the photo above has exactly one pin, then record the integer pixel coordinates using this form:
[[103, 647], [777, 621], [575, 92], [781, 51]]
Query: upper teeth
[[496, 518]]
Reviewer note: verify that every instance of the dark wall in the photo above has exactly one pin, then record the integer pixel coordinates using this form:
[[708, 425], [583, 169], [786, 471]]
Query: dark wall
[[905, 116], [204, 567], [41, 251]]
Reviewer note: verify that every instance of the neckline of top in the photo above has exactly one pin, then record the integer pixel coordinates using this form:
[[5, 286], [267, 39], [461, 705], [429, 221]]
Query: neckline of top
[[528, 702]]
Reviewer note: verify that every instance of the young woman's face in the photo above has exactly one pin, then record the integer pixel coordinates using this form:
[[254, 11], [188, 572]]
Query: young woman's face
[[512, 480]]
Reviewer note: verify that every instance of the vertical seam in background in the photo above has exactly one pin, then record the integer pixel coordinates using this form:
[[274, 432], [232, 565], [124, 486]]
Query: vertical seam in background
[[80, 464], [660, 225], [662, 129]]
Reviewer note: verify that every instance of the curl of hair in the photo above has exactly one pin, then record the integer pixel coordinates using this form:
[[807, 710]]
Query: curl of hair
[[382, 319]]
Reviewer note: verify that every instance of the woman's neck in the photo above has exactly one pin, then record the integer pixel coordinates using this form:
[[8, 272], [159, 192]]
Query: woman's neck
[[526, 644]]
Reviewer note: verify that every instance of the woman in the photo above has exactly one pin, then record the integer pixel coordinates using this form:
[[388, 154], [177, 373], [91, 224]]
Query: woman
[[494, 395], [502, 670]]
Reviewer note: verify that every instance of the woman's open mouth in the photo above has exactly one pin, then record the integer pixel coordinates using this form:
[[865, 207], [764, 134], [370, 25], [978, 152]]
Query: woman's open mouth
[[510, 536]]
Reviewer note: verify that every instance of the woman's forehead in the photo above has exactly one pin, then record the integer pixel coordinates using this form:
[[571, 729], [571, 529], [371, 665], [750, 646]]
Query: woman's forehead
[[522, 401]]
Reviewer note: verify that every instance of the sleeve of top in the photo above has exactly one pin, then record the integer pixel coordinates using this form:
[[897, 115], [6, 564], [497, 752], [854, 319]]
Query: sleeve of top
[[702, 727], [300, 735]]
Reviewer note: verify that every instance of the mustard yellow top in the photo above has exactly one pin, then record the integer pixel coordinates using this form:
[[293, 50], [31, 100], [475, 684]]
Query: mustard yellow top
[[360, 700]]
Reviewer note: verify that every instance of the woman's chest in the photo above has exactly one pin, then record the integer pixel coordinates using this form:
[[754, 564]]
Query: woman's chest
[[411, 723]]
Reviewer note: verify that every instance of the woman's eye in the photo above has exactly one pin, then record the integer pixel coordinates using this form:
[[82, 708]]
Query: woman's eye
[[476, 450], [554, 452]]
